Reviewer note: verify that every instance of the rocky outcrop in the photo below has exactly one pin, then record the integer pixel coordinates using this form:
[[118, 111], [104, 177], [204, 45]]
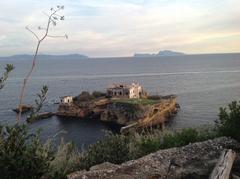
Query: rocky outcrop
[[123, 111], [192, 161], [72, 110]]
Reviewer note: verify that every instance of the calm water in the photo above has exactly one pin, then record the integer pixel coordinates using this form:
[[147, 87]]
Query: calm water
[[202, 83]]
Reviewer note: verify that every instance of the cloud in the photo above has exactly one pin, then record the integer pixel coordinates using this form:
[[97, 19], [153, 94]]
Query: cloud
[[122, 27]]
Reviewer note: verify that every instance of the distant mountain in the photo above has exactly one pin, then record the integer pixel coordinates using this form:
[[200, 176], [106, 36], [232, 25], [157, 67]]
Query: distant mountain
[[43, 56], [169, 53], [161, 53]]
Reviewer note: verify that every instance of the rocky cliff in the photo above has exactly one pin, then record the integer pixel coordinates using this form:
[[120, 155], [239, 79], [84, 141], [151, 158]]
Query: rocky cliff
[[123, 111], [143, 114]]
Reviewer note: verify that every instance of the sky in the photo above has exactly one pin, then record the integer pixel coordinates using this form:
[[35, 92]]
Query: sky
[[106, 28]]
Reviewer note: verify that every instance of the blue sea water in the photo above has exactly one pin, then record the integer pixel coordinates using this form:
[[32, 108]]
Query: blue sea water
[[202, 83]]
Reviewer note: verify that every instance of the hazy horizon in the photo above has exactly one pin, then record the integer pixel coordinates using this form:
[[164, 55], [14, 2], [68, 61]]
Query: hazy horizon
[[123, 27], [66, 54]]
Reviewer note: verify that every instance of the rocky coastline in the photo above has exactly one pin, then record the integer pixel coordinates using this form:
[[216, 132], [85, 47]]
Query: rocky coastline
[[121, 111]]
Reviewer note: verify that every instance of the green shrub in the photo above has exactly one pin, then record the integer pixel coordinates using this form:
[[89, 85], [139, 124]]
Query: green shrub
[[21, 154], [154, 97], [228, 123], [142, 145], [85, 96], [97, 94], [66, 160], [114, 149]]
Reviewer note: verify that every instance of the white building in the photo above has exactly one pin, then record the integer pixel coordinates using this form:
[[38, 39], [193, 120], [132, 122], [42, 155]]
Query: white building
[[126, 91], [66, 99]]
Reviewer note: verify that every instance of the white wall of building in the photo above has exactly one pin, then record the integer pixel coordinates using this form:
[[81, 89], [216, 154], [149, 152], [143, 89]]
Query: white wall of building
[[66, 99]]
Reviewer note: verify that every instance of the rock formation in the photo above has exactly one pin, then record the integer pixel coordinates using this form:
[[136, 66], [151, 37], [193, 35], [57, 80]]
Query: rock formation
[[124, 112]]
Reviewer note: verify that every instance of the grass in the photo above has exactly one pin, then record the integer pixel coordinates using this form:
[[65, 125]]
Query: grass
[[136, 101]]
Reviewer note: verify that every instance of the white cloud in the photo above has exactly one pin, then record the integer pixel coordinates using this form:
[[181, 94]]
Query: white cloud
[[122, 27]]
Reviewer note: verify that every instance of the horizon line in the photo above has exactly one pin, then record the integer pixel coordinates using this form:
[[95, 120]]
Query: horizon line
[[184, 54]]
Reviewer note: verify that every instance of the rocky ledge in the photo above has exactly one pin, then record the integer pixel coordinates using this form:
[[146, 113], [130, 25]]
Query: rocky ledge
[[195, 160]]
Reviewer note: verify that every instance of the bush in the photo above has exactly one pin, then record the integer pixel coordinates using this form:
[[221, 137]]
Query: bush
[[228, 123], [98, 94], [84, 96], [114, 149], [21, 154], [154, 97], [148, 143], [66, 160]]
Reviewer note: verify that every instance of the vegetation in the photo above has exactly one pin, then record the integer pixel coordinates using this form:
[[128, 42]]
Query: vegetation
[[98, 94], [228, 123], [154, 97], [38, 104], [65, 160], [114, 149], [22, 155], [119, 148], [85, 96], [151, 142], [135, 101], [8, 69]]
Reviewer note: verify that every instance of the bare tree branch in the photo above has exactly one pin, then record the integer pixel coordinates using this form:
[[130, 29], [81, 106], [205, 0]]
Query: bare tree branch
[[57, 36], [39, 41], [35, 35]]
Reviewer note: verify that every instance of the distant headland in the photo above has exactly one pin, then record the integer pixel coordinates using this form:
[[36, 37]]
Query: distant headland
[[44, 56], [160, 53]]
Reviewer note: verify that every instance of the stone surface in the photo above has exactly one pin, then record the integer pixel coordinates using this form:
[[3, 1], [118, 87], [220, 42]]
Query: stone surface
[[195, 160]]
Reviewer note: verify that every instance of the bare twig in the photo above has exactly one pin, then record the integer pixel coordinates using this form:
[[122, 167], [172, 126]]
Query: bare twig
[[57, 36], [39, 41], [35, 35]]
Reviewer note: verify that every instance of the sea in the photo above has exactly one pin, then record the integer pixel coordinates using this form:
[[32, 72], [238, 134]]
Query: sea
[[202, 83]]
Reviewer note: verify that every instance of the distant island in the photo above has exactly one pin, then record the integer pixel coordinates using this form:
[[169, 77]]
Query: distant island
[[161, 53], [44, 56]]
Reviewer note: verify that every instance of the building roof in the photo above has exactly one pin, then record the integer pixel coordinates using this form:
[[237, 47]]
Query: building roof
[[119, 86], [61, 97]]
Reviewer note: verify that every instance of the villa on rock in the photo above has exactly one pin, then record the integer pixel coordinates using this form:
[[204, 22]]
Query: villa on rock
[[66, 99], [126, 91]]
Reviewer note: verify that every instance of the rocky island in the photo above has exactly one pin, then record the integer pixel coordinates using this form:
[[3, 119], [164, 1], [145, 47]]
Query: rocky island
[[164, 53], [126, 105]]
